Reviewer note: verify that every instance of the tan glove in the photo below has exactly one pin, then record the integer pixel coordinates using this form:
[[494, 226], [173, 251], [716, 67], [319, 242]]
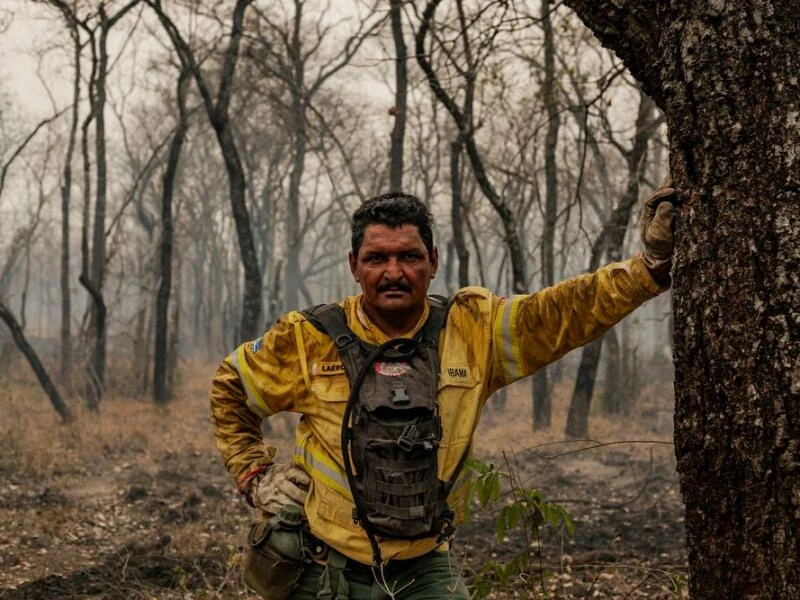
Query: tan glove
[[655, 220], [280, 485]]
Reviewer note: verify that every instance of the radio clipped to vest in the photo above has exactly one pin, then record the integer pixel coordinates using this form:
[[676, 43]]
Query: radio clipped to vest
[[391, 428]]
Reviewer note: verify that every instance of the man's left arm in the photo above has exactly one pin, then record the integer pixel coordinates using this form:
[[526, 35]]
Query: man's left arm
[[531, 331]]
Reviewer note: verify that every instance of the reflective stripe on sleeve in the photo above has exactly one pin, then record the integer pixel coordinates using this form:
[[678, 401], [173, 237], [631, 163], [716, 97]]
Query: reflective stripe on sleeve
[[301, 352], [506, 335], [321, 467], [254, 400]]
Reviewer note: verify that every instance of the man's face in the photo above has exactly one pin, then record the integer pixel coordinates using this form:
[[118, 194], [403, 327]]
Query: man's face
[[394, 269]]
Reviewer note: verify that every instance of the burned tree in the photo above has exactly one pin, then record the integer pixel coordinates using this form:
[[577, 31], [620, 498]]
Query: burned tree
[[725, 75]]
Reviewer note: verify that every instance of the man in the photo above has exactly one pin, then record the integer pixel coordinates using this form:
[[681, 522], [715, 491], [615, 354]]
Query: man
[[486, 342]]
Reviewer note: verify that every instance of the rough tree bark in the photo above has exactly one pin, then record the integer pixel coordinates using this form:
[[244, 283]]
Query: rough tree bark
[[726, 76]]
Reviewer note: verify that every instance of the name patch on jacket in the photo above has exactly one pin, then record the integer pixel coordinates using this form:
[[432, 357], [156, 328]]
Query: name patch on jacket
[[327, 368], [457, 375]]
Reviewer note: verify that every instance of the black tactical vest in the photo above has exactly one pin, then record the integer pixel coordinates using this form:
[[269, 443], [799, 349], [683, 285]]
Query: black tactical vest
[[391, 428]]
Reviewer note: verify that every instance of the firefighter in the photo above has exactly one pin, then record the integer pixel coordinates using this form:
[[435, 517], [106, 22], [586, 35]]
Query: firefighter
[[483, 343]]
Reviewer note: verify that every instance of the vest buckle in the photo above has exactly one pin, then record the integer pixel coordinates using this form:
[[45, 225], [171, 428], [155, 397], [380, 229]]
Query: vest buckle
[[408, 437]]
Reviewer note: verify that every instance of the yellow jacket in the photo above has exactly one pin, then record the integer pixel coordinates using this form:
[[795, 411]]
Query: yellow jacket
[[488, 342]]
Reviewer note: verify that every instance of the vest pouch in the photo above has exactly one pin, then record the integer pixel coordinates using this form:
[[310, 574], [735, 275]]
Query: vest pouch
[[275, 557], [396, 459]]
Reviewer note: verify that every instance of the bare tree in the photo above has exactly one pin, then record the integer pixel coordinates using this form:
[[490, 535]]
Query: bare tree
[[218, 115], [66, 189], [542, 402], [609, 243], [287, 52], [161, 359], [93, 263], [36, 364], [21, 243], [464, 121], [400, 107]]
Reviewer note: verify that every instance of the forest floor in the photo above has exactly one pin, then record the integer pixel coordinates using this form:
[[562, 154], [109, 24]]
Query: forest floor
[[135, 502]]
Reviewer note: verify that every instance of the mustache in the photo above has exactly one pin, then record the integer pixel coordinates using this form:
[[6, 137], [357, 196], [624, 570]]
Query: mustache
[[403, 286]]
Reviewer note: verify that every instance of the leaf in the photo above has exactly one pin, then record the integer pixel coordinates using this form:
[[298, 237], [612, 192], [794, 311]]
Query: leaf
[[494, 479], [500, 526], [478, 466], [483, 490]]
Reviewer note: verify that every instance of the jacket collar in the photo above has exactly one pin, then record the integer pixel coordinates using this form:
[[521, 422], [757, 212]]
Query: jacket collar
[[364, 328]]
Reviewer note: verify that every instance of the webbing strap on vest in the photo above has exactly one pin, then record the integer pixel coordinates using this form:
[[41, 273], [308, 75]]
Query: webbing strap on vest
[[331, 320]]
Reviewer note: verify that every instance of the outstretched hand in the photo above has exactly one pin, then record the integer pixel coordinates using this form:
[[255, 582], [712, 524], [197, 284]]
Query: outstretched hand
[[656, 228]]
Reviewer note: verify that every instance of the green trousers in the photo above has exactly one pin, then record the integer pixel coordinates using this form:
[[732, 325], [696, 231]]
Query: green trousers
[[430, 577]]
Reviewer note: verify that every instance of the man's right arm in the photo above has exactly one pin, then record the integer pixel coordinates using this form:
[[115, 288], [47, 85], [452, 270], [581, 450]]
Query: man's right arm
[[237, 428], [258, 379]]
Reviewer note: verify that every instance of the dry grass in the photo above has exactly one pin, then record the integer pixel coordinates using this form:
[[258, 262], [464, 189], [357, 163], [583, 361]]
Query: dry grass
[[139, 489], [646, 430], [133, 501], [38, 444]]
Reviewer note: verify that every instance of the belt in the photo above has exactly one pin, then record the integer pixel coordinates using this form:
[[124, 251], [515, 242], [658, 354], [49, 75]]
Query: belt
[[353, 569], [361, 572]]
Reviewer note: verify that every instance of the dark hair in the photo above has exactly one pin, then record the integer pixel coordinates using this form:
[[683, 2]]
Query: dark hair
[[393, 209]]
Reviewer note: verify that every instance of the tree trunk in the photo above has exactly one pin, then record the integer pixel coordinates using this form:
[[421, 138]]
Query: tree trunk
[[92, 279], [160, 354], [613, 393], [38, 368], [66, 192], [300, 133], [139, 350], [725, 75], [400, 94], [457, 212], [250, 323], [463, 119], [610, 243], [90, 393], [628, 370], [542, 403], [578, 415], [174, 332]]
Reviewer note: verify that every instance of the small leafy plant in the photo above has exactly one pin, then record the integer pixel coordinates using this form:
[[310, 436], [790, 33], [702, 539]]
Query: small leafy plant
[[526, 511]]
